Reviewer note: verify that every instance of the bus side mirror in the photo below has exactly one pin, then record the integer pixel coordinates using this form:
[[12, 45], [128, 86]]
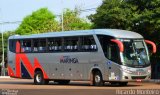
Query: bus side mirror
[[119, 43], [154, 49]]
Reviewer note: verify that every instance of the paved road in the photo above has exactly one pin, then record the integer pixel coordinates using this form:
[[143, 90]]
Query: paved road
[[26, 87]]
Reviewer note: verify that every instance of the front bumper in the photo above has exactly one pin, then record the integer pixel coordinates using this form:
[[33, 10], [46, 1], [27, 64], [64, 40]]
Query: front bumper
[[131, 77]]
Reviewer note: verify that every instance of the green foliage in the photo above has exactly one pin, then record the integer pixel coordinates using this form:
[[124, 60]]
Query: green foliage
[[0, 47], [43, 20], [142, 16], [137, 15], [39, 21], [112, 14], [5, 38], [72, 21]]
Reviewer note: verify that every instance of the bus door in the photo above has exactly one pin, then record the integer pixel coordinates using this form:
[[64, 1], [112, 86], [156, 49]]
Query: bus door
[[113, 62], [111, 54]]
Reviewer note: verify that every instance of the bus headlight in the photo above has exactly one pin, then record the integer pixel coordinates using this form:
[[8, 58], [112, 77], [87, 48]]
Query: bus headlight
[[149, 70], [127, 71]]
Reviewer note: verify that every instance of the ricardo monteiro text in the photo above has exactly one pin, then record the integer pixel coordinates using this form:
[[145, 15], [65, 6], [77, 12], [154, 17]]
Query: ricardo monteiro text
[[148, 91], [126, 92], [137, 92]]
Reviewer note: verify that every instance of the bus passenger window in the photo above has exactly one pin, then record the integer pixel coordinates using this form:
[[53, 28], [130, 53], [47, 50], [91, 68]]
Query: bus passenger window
[[88, 44], [42, 45], [26, 46], [12, 45], [58, 44], [75, 45], [51, 44], [71, 44], [54, 44], [35, 45]]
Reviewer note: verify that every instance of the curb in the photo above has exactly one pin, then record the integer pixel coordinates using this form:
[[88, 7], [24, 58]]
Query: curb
[[1, 77], [155, 81], [151, 81]]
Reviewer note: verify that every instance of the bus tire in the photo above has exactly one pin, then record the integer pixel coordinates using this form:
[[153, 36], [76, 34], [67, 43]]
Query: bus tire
[[39, 79], [97, 79]]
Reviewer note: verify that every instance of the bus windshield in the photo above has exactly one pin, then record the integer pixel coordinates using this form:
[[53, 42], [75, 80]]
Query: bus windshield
[[135, 53]]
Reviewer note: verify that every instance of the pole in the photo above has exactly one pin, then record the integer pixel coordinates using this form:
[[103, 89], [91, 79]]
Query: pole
[[62, 16], [3, 66]]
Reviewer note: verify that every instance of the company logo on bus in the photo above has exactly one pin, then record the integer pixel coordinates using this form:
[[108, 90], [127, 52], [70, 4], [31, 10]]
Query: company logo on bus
[[68, 59]]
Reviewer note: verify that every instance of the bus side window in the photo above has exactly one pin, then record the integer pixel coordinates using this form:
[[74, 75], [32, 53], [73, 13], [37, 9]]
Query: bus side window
[[67, 43], [71, 44], [88, 44], [12, 45], [93, 46], [26, 46], [113, 54], [54, 44], [35, 45], [75, 44], [58, 44], [51, 44], [42, 45]]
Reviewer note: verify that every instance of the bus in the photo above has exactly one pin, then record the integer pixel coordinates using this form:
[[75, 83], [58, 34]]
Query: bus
[[97, 56]]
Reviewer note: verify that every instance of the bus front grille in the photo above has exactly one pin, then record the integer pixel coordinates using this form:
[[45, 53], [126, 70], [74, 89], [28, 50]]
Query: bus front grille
[[138, 77]]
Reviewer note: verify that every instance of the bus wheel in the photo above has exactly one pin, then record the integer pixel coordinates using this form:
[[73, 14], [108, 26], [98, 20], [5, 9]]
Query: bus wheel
[[39, 79], [97, 79], [62, 82], [123, 83]]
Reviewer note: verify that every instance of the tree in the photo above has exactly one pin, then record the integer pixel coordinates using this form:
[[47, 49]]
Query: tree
[[39, 21], [148, 21], [0, 47], [141, 16], [72, 21], [112, 14], [5, 39]]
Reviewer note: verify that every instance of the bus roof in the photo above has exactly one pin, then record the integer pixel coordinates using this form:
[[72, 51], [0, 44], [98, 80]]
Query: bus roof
[[110, 32]]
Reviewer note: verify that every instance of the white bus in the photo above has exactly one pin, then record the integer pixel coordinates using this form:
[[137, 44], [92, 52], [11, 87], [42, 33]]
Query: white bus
[[98, 56]]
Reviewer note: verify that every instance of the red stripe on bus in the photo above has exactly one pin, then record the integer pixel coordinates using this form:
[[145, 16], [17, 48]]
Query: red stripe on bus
[[17, 63], [18, 47], [37, 65], [22, 58], [18, 68], [10, 71]]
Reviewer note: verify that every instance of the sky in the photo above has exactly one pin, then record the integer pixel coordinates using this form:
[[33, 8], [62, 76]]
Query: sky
[[16, 10]]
